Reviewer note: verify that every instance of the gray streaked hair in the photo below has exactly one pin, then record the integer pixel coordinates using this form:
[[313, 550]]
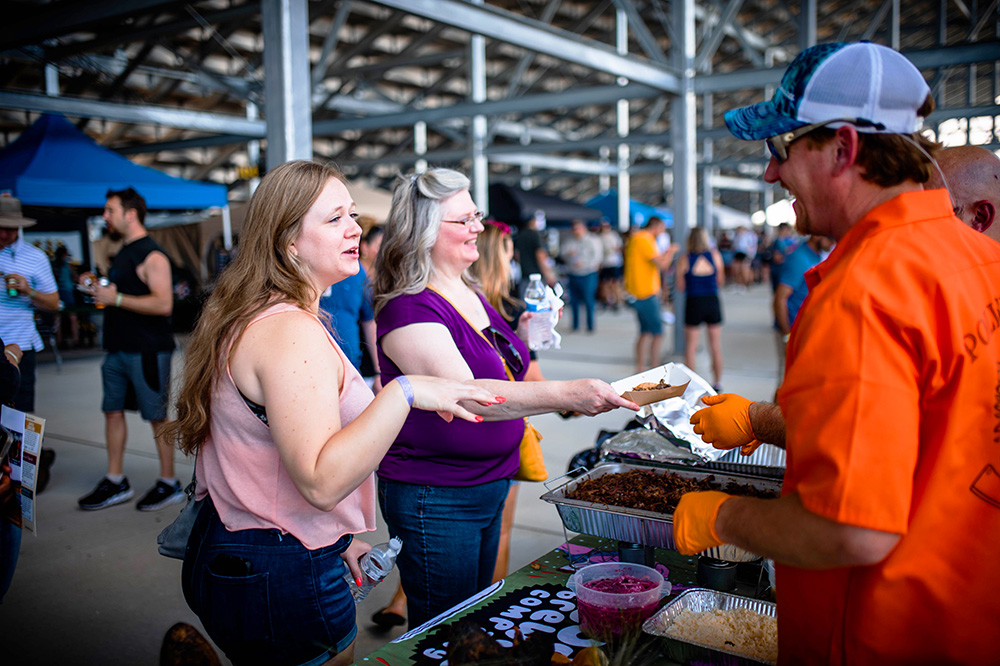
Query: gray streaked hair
[[403, 264]]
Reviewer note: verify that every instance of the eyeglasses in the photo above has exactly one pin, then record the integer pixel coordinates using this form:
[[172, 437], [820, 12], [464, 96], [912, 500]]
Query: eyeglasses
[[469, 221], [778, 145], [503, 344]]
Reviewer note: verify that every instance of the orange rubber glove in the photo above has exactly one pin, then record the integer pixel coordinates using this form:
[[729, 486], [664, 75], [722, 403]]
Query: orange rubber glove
[[694, 521], [725, 423]]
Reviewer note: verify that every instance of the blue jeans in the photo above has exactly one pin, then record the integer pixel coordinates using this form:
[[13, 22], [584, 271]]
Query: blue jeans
[[10, 547], [583, 291], [264, 598], [450, 539]]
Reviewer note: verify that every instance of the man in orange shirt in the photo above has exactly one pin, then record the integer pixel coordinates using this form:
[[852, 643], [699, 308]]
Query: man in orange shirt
[[643, 264], [891, 394]]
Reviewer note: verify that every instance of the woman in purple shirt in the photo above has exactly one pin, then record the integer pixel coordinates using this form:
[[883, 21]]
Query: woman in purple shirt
[[442, 485]]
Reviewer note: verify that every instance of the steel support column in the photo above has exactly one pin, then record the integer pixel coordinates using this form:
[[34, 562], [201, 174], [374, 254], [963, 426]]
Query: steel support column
[[894, 25], [52, 80], [807, 24], [708, 171], [624, 182], [286, 80], [253, 153], [420, 145], [684, 119], [478, 137]]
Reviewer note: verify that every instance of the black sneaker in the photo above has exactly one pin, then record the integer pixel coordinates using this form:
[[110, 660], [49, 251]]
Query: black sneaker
[[106, 494], [161, 495]]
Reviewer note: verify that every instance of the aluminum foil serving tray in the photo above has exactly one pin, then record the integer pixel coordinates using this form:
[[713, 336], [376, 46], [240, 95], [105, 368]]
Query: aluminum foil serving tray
[[637, 526], [699, 600]]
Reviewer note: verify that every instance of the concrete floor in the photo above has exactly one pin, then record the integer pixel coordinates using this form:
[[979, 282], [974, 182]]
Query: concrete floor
[[91, 586]]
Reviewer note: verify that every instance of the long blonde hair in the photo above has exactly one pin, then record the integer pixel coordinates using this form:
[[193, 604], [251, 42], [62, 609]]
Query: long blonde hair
[[265, 272], [403, 264], [492, 269], [697, 241]]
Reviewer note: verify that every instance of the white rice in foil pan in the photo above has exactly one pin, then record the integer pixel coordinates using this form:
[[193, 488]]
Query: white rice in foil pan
[[706, 626]]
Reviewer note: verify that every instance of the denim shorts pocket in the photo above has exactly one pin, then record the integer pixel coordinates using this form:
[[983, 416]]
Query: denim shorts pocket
[[238, 609]]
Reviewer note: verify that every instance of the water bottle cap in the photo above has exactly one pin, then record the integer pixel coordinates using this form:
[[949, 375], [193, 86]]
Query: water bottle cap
[[395, 545], [535, 276]]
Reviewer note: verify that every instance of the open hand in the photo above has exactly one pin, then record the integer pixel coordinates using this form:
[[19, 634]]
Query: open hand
[[444, 396]]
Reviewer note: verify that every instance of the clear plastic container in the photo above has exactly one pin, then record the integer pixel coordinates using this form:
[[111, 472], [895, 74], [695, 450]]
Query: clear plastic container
[[375, 566], [633, 593], [537, 302]]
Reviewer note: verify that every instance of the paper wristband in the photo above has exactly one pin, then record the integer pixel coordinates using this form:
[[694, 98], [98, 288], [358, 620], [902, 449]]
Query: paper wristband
[[404, 384], [118, 300]]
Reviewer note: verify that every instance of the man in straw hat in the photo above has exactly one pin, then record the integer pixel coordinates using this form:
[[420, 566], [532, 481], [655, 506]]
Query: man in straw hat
[[28, 284], [888, 403]]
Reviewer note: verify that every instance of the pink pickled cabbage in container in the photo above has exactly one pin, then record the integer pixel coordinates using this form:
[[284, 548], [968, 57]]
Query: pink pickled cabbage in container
[[614, 598]]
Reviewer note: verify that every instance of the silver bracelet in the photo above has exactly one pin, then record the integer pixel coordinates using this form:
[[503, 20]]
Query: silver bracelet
[[404, 384]]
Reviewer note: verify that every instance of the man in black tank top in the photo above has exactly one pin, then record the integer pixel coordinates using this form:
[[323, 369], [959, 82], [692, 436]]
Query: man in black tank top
[[139, 344]]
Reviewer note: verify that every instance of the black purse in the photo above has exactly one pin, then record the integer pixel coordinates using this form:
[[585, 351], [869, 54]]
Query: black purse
[[173, 539]]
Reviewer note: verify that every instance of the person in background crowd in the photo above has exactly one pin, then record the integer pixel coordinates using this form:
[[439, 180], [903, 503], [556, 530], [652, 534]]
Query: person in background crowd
[[351, 319], [700, 274], [371, 241], [609, 290], [286, 432], [66, 286], [745, 249], [530, 253], [583, 253], [643, 265], [973, 174], [139, 344], [442, 487], [784, 243], [887, 362], [28, 284], [792, 289]]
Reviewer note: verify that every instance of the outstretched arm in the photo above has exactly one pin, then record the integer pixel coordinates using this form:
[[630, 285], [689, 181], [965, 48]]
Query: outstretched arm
[[429, 349], [287, 363]]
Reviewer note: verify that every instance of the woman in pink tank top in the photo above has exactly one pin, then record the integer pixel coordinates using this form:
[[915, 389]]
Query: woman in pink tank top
[[287, 433]]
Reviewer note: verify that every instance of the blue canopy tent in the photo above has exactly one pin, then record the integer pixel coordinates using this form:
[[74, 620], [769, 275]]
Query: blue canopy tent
[[58, 173], [639, 213], [54, 164]]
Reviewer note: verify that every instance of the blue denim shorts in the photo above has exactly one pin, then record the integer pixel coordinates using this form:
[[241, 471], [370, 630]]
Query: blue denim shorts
[[264, 598], [137, 381], [648, 310], [450, 539]]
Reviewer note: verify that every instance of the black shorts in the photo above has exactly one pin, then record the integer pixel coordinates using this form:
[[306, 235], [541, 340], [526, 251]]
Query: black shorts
[[740, 256], [700, 310], [612, 272]]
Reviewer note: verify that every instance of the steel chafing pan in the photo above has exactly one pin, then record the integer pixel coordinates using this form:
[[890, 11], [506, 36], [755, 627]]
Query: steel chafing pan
[[644, 527]]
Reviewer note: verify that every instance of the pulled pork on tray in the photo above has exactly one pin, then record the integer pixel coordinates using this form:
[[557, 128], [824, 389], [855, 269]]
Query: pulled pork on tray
[[649, 491]]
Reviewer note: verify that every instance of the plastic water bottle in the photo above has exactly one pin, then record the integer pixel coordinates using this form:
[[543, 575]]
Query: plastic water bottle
[[375, 566], [540, 325]]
